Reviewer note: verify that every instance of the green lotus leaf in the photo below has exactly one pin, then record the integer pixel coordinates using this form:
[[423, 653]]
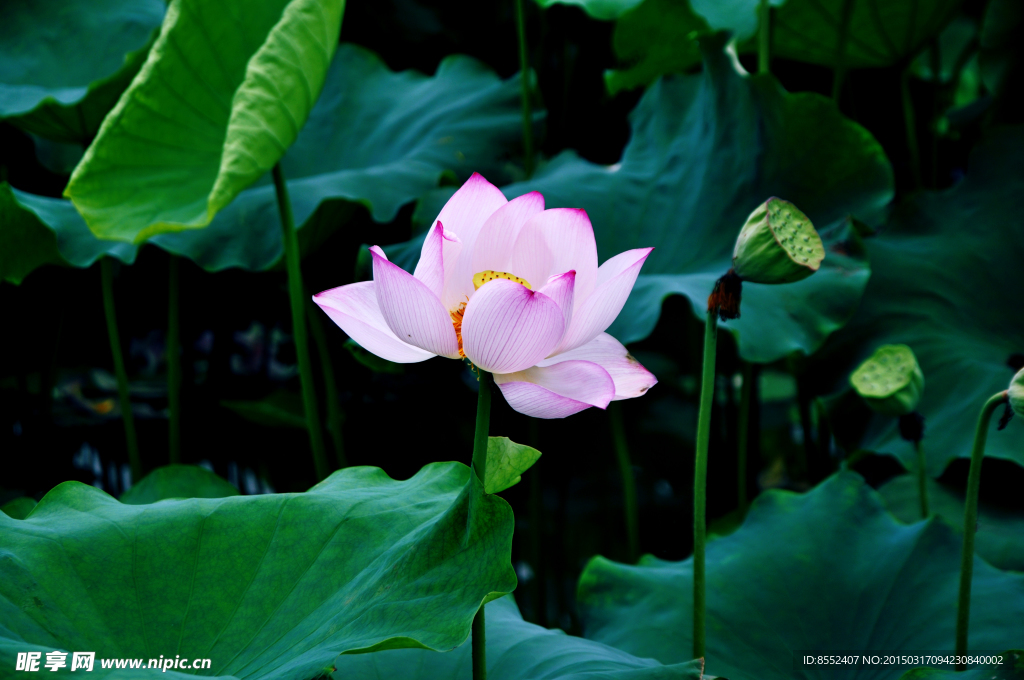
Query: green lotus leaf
[[658, 36], [19, 507], [38, 230], [506, 462], [827, 570], [878, 32], [376, 138], [177, 481], [271, 586], [705, 151], [998, 538], [652, 39], [603, 10], [223, 93], [64, 63], [1011, 668], [946, 283], [516, 650]]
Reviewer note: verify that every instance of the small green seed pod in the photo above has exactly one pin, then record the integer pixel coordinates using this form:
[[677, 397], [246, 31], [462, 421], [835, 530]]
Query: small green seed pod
[[1016, 393], [778, 244], [890, 381]]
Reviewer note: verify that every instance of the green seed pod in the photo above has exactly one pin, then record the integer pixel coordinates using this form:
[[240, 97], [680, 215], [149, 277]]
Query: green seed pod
[[1016, 393], [890, 381], [778, 244]]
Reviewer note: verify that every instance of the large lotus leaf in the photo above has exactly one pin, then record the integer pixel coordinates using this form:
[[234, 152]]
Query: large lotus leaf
[[1000, 534], [271, 586], [946, 283], [36, 230], [652, 39], [178, 481], [705, 151], [222, 95], [827, 570], [376, 138], [878, 32], [19, 507], [64, 63], [604, 10], [516, 650], [1010, 668]]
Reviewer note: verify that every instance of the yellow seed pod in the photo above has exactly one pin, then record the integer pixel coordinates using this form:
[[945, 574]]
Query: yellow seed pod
[[1016, 393], [890, 381], [480, 278]]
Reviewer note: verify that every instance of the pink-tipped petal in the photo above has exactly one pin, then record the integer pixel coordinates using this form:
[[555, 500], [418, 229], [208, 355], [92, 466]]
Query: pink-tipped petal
[[508, 327], [559, 390], [411, 310], [463, 215], [493, 249], [560, 288], [354, 308], [438, 256], [615, 280], [556, 241], [631, 378]]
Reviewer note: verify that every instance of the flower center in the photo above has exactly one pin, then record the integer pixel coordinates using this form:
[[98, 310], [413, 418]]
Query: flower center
[[457, 323], [480, 278]]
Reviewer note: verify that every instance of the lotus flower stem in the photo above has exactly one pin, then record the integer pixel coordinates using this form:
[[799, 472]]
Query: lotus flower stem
[[922, 480], [628, 482], [536, 514], [839, 72], [335, 417], [764, 37], [173, 362], [910, 122], [700, 476], [132, 442], [483, 421], [524, 82], [747, 404], [963, 609], [296, 293]]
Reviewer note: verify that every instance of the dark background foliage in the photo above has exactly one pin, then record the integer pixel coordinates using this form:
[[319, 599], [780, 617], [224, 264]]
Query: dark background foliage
[[54, 334]]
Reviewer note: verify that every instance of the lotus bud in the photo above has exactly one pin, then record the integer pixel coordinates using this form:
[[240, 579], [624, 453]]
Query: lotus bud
[[778, 244], [890, 381], [1016, 393]]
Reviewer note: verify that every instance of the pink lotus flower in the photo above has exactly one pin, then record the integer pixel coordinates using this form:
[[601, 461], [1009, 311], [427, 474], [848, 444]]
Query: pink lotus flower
[[515, 289]]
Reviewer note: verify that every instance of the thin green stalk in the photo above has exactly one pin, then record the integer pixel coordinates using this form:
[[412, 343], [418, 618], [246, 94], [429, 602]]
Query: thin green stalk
[[174, 362], [483, 420], [806, 455], [922, 480], [628, 482], [839, 72], [910, 123], [934, 52], [743, 433], [335, 417], [824, 434], [540, 604], [764, 37], [963, 608], [524, 82], [700, 476], [107, 278], [296, 294]]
